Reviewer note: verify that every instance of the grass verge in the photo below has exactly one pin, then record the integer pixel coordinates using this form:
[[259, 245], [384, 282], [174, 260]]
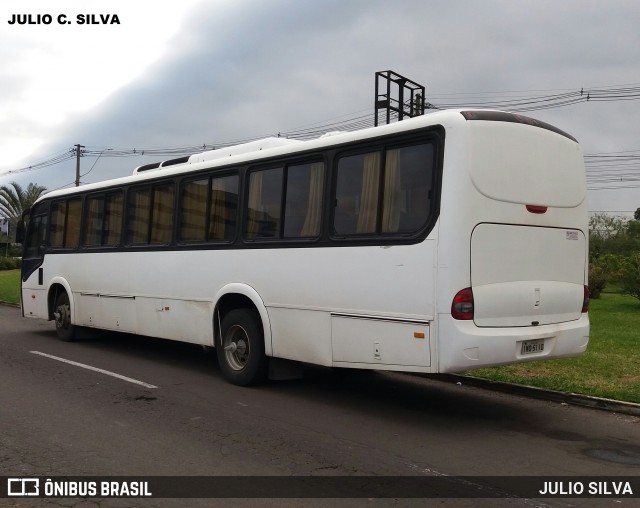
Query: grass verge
[[609, 368], [10, 286]]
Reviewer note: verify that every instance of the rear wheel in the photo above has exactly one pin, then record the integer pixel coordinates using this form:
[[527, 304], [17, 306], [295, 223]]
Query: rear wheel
[[241, 349], [62, 315]]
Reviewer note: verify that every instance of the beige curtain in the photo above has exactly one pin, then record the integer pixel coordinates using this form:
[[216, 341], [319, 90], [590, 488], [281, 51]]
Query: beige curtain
[[218, 209], [255, 204], [392, 200], [139, 217], [56, 233], [313, 217], [162, 217], [113, 220], [367, 214], [93, 222], [72, 228], [194, 210]]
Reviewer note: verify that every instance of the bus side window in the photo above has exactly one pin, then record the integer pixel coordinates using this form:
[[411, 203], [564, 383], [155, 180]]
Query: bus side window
[[303, 204], [265, 202], [357, 185], [93, 214], [296, 187], [58, 215], [162, 215], [193, 210], [403, 176], [112, 230], [223, 208], [138, 212], [407, 182], [65, 224]]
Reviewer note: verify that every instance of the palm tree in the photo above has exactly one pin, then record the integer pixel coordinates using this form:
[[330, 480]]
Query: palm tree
[[14, 200]]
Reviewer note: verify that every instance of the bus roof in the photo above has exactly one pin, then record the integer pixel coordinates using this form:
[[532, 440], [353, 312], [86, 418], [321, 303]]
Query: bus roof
[[278, 146]]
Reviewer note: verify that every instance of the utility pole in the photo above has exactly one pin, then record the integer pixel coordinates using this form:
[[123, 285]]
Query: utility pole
[[78, 147]]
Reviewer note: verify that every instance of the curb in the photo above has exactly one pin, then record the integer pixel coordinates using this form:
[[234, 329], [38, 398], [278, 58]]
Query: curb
[[574, 399]]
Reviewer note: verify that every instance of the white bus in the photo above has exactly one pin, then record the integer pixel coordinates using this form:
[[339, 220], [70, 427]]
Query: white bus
[[442, 243]]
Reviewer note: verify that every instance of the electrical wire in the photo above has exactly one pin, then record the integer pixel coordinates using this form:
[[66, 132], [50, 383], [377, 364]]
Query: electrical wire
[[613, 170]]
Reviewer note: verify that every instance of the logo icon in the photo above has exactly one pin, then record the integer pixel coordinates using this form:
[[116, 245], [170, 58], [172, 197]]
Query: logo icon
[[23, 487]]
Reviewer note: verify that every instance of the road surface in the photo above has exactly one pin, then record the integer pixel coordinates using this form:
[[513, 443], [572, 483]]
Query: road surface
[[59, 418]]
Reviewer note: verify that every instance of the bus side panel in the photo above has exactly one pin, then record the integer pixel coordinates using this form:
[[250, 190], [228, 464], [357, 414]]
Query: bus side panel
[[370, 284], [379, 343], [301, 335], [183, 320], [34, 299]]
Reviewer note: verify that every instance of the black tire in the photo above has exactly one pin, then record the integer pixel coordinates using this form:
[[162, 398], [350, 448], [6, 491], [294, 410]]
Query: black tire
[[62, 315], [240, 349]]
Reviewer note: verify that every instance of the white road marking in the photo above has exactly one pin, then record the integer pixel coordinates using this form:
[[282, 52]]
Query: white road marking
[[95, 369]]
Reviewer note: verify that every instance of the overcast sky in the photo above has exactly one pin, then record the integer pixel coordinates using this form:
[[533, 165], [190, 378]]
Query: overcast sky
[[192, 72]]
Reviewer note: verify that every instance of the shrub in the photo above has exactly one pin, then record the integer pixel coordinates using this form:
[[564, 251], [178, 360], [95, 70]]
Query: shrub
[[10, 263], [603, 270], [598, 279], [630, 275]]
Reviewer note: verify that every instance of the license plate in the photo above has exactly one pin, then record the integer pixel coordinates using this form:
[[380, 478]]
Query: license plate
[[532, 346]]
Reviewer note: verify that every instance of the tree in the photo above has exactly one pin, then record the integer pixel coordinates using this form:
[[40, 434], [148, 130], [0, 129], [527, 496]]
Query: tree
[[630, 279], [14, 200], [636, 215]]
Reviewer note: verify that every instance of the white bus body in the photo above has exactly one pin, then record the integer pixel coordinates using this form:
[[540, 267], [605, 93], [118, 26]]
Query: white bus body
[[495, 274]]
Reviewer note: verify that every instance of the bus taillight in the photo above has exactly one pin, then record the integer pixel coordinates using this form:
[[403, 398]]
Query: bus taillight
[[462, 305]]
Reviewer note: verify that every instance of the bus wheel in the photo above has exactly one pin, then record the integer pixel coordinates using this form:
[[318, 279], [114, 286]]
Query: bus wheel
[[62, 315], [241, 349]]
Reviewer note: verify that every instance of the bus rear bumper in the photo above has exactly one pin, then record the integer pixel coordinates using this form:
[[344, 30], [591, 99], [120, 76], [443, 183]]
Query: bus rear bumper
[[464, 346]]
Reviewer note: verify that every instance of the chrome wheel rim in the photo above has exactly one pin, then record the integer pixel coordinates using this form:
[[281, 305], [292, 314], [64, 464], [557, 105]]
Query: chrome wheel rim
[[62, 316], [236, 347]]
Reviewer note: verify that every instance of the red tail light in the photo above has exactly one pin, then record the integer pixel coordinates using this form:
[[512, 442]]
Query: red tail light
[[585, 301], [536, 209], [462, 305]]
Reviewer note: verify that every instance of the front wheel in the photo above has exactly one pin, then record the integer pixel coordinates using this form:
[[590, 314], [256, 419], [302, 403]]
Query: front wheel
[[241, 348], [62, 315]]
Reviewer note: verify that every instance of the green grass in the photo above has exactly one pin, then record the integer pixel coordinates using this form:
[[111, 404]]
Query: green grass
[[10, 286], [611, 366]]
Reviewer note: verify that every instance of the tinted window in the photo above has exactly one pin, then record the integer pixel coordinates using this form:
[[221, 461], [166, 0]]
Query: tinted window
[[223, 209], [162, 215], [113, 219], [138, 213], [303, 205], [93, 221], [65, 224], [208, 209], [384, 192], [150, 215], [193, 210], [298, 215], [265, 202], [103, 220]]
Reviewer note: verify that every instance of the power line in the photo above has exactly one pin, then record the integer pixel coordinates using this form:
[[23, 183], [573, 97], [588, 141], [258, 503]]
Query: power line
[[597, 164]]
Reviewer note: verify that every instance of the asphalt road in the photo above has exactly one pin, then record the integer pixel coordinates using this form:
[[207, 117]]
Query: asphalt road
[[58, 418]]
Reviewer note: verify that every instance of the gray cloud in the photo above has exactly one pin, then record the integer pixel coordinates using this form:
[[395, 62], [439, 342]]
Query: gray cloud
[[257, 68]]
